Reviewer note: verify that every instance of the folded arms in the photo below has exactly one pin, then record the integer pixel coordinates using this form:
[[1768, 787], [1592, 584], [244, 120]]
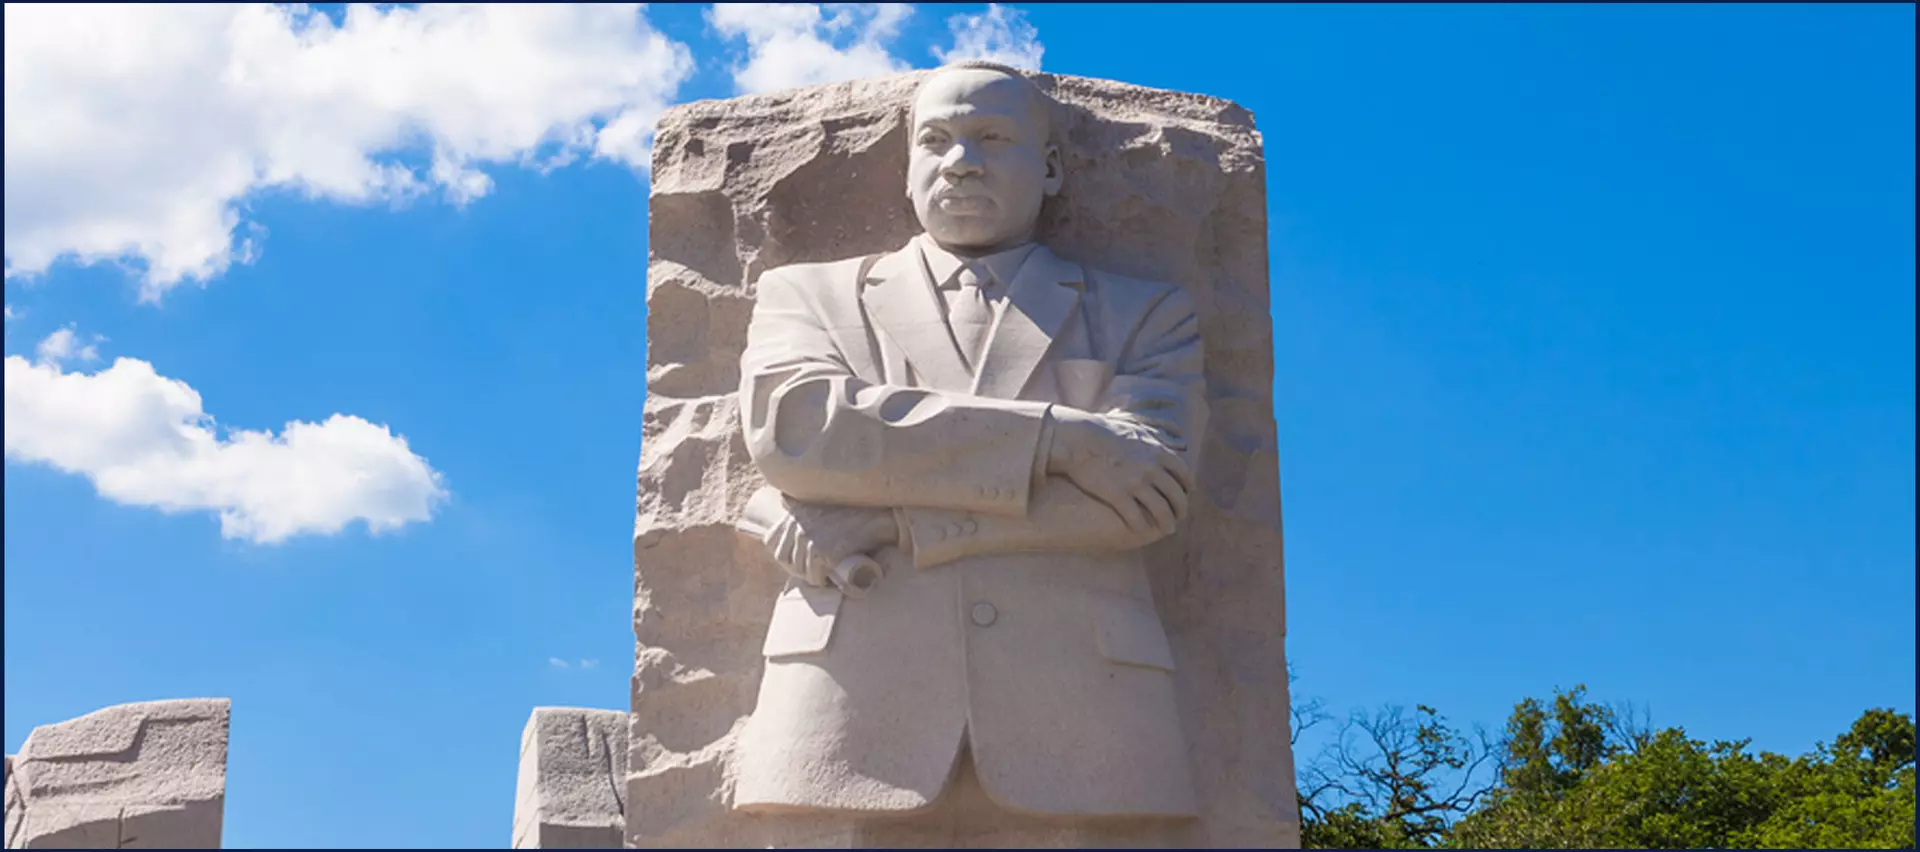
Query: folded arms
[[963, 475]]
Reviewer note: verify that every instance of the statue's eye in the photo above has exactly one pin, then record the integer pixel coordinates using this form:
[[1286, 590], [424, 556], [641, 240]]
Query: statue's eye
[[933, 139]]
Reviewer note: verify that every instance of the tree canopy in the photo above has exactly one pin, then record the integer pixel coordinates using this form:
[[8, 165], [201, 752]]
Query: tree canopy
[[1572, 774]]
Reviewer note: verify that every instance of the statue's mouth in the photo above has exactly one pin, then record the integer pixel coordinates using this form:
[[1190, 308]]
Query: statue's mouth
[[964, 203]]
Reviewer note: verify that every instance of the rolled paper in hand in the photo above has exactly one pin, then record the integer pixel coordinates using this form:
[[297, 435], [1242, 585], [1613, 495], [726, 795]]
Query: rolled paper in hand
[[855, 575]]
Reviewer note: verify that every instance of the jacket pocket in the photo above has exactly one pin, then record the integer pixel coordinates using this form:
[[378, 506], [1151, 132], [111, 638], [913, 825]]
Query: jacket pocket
[[1129, 632], [802, 622]]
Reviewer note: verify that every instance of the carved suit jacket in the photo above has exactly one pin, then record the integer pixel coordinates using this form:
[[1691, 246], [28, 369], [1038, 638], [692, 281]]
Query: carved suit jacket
[[1020, 619]]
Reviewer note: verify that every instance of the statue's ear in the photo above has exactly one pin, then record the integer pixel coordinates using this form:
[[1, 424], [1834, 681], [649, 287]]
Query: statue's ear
[[1056, 172]]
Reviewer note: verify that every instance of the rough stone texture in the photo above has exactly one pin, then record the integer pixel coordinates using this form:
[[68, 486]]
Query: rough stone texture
[[150, 775], [1160, 185], [573, 768], [16, 807]]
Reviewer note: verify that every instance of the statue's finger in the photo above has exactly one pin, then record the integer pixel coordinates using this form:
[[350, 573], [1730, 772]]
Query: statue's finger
[[1156, 506], [816, 567], [783, 544], [1169, 488], [1173, 464], [1132, 514]]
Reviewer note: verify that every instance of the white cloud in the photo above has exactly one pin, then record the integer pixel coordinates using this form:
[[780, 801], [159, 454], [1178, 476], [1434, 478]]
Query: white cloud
[[588, 664], [136, 132], [1000, 35], [557, 663], [64, 345], [790, 45], [9, 313], [144, 440]]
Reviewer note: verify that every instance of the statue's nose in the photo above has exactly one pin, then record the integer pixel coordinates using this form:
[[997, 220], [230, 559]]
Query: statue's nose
[[961, 162]]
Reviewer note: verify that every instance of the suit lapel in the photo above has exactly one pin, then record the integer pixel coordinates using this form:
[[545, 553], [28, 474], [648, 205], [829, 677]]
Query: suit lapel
[[1040, 300], [907, 310]]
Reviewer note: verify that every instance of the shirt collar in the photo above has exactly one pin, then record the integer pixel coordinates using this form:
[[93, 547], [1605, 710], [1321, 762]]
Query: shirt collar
[[1004, 265]]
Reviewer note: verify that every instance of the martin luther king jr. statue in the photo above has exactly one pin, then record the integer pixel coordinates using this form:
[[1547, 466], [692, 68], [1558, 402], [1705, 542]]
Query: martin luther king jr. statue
[[967, 441]]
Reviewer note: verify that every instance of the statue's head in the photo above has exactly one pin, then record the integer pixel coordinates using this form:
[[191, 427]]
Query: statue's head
[[982, 157]]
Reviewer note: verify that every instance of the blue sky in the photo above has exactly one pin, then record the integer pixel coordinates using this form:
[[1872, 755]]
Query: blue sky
[[1594, 345]]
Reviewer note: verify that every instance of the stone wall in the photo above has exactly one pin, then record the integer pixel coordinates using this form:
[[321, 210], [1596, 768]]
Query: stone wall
[[149, 775], [571, 792]]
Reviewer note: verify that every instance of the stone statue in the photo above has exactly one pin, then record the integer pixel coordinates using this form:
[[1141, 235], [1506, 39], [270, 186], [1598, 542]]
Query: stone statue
[[962, 423], [967, 443]]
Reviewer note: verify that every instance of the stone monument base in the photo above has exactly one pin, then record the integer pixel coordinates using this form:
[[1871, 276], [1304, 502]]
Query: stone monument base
[[573, 763], [150, 775]]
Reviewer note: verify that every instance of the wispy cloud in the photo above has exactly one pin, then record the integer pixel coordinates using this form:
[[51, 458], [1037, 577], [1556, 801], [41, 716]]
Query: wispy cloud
[[790, 45], [805, 44], [136, 132], [1000, 34], [558, 663], [64, 345]]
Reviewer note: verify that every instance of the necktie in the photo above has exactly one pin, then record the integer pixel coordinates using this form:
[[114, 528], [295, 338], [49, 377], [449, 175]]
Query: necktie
[[971, 312]]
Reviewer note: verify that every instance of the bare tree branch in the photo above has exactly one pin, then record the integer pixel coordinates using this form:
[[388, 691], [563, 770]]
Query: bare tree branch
[[1407, 773], [1629, 727]]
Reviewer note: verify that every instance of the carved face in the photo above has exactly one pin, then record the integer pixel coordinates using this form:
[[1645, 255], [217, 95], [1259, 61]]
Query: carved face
[[980, 164]]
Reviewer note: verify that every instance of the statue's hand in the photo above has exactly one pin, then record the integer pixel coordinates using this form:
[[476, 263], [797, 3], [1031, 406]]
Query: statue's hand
[[1122, 464], [815, 537]]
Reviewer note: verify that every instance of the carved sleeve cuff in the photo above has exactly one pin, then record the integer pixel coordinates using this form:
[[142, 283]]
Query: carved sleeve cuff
[[903, 524], [1042, 452]]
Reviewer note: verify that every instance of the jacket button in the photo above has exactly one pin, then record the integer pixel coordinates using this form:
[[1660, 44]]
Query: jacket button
[[984, 614]]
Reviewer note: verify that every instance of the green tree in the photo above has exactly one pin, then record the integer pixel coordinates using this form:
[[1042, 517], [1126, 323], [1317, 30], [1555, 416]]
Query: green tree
[[1856, 794], [1571, 774], [1546, 754], [1579, 782]]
